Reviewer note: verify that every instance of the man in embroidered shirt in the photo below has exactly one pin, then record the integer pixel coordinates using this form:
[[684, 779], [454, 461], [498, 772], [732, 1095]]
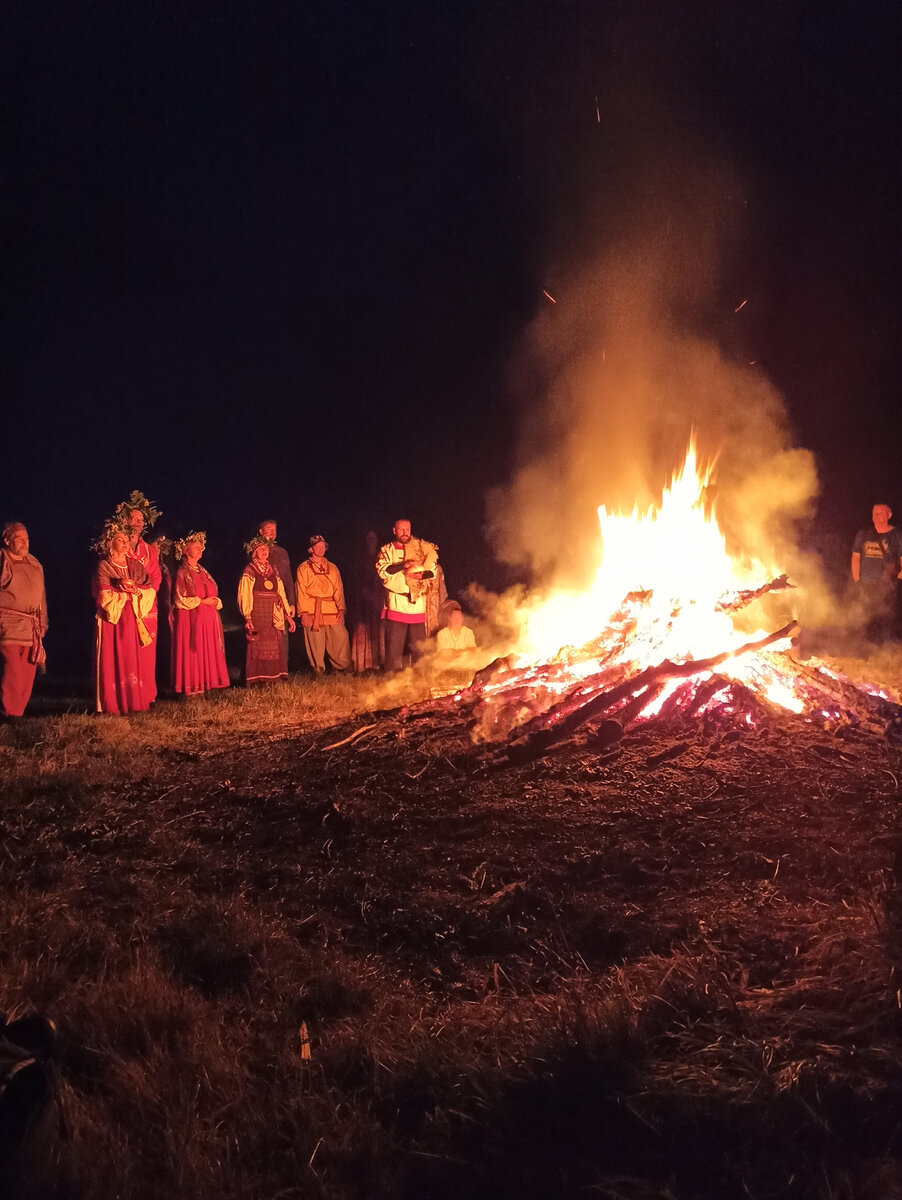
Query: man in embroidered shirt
[[876, 567], [405, 565], [321, 608], [23, 620]]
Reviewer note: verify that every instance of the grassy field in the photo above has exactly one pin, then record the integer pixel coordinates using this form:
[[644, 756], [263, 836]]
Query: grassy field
[[303, 942]]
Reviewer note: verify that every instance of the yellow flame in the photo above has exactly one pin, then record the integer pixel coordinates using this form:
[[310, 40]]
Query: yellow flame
[[677, 554], [655, 596]]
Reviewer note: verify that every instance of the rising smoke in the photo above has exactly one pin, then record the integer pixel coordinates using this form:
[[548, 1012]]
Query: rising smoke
[[629, 372], [652, 247]]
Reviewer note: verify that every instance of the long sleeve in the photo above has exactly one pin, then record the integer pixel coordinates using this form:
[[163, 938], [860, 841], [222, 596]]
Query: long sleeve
[[246, 596], [144, 599], [22, 598], [393, 581], [111, 604], [284, 598], [305, 603], [185, 595], [339, 595], [44, 622]]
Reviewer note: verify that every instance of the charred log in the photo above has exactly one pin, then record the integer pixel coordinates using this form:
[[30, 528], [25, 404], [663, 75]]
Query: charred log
[[740, 600], [626, 700]]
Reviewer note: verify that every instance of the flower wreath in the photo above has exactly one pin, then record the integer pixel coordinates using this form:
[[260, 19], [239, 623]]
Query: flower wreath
[[196, 535], [111, 527]]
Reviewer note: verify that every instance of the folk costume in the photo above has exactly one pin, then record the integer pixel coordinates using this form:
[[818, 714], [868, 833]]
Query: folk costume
[[149, 557], [123, 677], [406, 596], [198, 646], [321, 608], [23, 623], [263, 603]]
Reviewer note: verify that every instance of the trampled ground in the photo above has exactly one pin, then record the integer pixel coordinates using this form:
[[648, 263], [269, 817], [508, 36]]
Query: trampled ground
[[667, 967]]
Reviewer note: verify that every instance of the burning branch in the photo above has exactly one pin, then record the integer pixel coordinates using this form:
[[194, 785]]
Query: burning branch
[[559, 722], [743, 599]]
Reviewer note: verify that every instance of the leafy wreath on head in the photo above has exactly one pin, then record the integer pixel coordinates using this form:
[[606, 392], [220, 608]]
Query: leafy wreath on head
[[138, 501], [251, 546], [196, 535], [111, 527]]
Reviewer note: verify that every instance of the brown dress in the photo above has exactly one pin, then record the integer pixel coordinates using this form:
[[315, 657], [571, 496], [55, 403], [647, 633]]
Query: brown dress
[[267, 651]]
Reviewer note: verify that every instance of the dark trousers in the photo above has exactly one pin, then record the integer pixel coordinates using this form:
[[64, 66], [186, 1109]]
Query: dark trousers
[[881, 601], [398, 635]]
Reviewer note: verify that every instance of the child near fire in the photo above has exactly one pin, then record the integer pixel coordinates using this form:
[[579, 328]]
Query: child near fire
[[454, 636]]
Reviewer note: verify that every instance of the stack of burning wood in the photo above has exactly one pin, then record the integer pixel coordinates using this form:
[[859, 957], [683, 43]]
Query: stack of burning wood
[[603, 685]]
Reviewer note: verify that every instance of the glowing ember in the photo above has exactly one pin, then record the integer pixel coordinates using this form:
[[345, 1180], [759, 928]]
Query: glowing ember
[[655, 633]]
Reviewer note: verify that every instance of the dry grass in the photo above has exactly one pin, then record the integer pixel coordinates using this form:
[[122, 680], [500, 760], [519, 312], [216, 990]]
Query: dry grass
[[94, 749], [596, 975]]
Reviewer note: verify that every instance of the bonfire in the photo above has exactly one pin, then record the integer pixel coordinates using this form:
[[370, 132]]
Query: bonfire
[[663, 631]]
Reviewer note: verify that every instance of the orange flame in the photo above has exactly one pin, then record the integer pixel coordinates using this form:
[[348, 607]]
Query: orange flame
[[659, 593], [676, 556]]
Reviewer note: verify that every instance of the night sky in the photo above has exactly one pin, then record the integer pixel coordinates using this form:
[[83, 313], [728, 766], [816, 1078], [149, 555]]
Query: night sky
[[276, 259]]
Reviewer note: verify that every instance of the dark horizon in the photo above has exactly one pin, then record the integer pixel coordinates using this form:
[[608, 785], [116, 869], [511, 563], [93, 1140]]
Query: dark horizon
[[278, 261]]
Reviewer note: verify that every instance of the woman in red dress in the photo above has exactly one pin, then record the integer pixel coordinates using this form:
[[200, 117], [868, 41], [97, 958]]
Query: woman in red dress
[[264, 606], [198, 647], [124, 680], [137, 515]]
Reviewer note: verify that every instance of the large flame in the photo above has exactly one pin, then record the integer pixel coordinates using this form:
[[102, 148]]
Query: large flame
[[664, 598], [675, 558], [663, 630]]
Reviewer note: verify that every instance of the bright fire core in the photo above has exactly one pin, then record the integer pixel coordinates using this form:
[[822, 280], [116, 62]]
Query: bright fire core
[[663, 602], [674, 557]]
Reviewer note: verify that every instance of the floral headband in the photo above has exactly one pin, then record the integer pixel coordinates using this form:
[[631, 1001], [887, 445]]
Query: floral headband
[[196, 535], [111, 527]]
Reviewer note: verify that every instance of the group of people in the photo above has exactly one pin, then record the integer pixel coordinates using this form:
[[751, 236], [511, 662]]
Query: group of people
[[400, 597], [401, 600], [129, 583]]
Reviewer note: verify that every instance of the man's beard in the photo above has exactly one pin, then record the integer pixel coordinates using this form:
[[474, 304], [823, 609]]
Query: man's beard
[[404, 538]]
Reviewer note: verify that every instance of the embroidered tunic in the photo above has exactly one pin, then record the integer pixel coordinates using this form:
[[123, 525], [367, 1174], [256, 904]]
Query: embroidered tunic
[[262, 600]]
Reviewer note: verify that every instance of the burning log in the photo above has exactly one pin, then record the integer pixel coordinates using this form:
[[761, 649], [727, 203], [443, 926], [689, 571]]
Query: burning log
[[689, 590], [740, 600], [639, 692]]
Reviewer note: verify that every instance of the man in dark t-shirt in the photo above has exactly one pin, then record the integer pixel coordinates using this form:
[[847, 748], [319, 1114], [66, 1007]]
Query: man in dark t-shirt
[[876, 568]]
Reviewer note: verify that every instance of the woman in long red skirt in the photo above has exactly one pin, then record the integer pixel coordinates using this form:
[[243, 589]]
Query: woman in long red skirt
[[124, 680], [198, 647], [264, 606]]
